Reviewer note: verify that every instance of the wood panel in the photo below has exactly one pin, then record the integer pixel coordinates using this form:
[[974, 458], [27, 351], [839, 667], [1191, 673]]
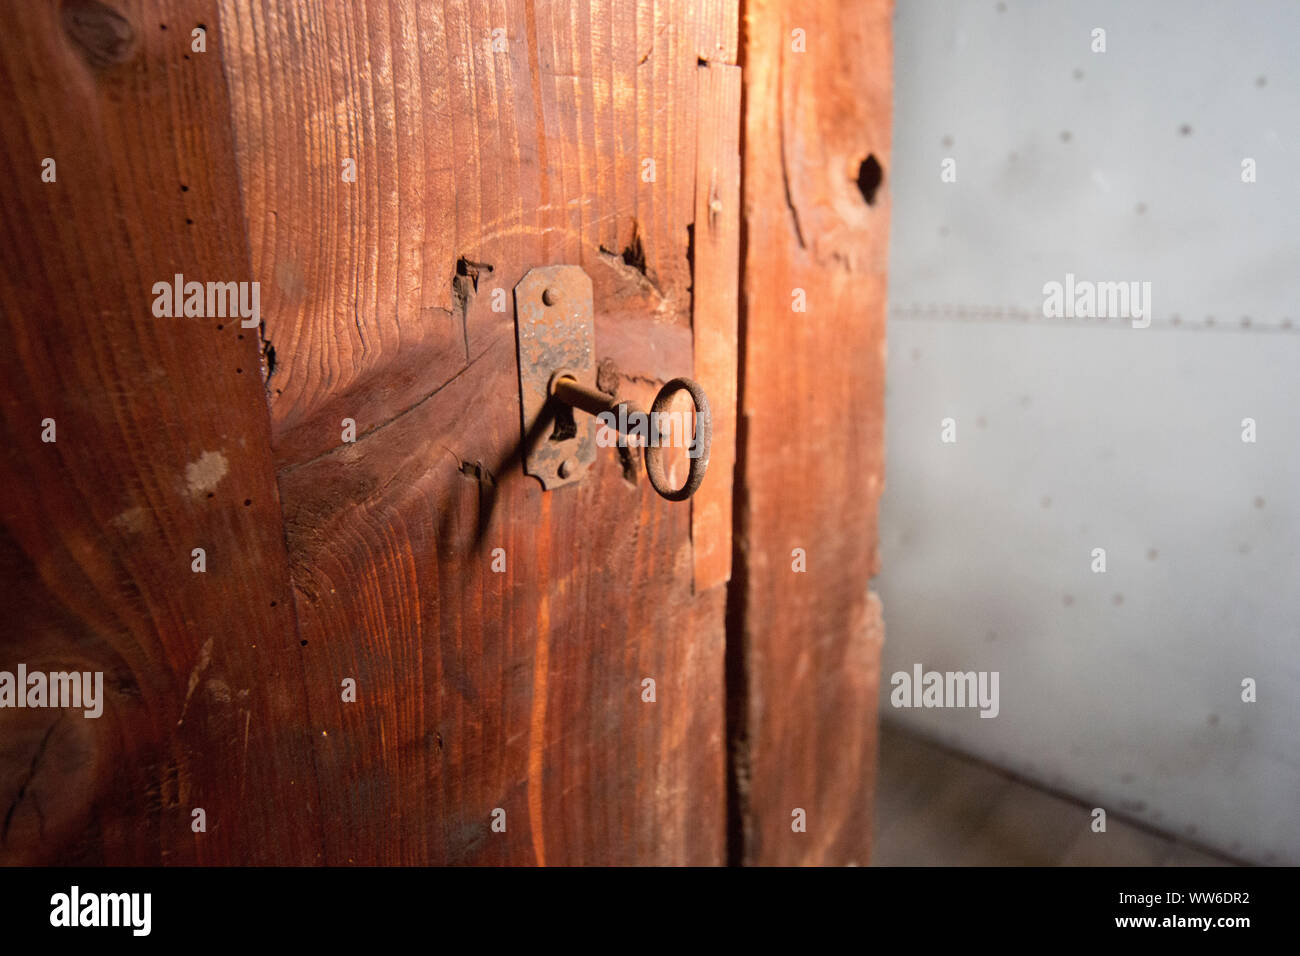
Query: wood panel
[[162, 445], [716, 257], [803, 665], [519, 690], [474, 162], [330, 560]]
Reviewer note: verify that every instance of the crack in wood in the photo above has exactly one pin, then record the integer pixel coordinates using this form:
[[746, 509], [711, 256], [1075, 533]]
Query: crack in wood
[[27, 780]]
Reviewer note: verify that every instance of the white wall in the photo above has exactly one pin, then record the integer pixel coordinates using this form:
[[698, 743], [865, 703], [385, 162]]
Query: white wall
[[1123, 688]]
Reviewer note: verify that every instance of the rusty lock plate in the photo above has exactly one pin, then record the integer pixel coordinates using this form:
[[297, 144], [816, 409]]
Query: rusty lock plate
[[553, 333]]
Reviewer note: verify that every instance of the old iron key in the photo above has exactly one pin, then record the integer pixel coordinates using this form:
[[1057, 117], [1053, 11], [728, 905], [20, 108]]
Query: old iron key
[[569, 390], [555, 340]]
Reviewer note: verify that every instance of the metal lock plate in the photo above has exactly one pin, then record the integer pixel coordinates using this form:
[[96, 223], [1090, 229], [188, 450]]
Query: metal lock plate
[[553, 333]]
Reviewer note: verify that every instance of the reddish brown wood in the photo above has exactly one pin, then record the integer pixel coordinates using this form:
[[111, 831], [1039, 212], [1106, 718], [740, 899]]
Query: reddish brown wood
[[717, 31], [476, 690], [519, 690], [162, 446], [373, 560], [804, 668], [716, 257]]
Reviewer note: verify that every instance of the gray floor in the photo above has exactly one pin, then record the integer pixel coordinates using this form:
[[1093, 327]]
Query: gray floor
[[935, 807]]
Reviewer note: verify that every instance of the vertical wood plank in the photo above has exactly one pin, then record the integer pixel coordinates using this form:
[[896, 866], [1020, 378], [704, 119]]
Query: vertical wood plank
[[716, 257], [718, 30], [518, 688], [804, 667], [162, 446]]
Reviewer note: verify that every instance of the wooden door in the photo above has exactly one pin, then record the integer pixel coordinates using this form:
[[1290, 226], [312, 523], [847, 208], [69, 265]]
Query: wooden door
[[396, 647]]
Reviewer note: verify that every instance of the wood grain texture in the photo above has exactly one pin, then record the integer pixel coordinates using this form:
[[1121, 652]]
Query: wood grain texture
[[328, 560], [476, 162], [163, 445], [718, 31], [716, 257], [804, 664], [528, 153]]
